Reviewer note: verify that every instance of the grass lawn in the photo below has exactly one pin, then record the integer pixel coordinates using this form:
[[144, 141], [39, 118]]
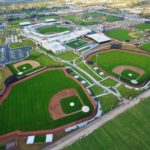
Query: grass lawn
[[129, 130], [93, 14], [22, 44], [119, 34], [40, 139], [76, 44], [26, 107], [67, 109], [146, 47], [24, 67], [15, 23], [96, 90], [108, 102], [143, 26], [112, 19], [128, 93], [2, 78], [53, 29], [85, 22], [109, 82], [109, 60], [2, 41], [69, 56]]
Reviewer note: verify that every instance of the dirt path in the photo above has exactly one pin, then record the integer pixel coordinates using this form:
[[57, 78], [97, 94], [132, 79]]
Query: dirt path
[[73, 137]]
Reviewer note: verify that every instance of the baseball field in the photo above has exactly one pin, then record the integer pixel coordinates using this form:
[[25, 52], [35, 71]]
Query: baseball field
[[44, 101], [132, 68], [119, 34], [146, 47], [129, 130], [52, 29], [143, 26]]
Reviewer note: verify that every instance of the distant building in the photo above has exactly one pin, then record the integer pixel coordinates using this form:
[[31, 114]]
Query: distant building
[[50, 20], [99, 37], [23, 24]]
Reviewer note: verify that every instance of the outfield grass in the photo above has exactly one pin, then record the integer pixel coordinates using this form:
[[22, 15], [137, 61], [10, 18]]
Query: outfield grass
[[67, 109], [119, 34], [109, 60], [53, 29], [112, 19], [129, 130], [146, 47], [108, 102], [143, 26], [26, 107], [76, 44]]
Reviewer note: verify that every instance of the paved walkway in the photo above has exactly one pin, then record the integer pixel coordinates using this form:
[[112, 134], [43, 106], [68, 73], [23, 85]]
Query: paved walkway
[[73, 137]]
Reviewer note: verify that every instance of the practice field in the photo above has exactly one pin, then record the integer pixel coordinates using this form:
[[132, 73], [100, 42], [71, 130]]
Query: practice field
[[143, 26], [146, 47], [76, 44], [129, 130], [119, 34], [28, 105], [53, 29], [132, 68], [113, 19]]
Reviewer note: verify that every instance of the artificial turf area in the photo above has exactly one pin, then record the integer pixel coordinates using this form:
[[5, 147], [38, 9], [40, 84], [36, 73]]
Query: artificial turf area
[[53, 29], [26, 107], [109, 60], [143, 26], [24, 67], [76, 44], [119, 34], [146, 47], [65, 104], [129, 130]]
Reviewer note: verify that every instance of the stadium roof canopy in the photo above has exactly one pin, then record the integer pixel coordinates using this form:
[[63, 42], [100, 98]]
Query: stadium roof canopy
[[55, 47], [99, 37]]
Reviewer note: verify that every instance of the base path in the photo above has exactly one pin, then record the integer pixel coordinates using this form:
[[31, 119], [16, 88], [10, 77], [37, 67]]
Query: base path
[[73, 137]]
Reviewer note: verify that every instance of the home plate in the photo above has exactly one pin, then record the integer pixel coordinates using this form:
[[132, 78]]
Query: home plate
[[134, 82], [72, 104], [85, 109]]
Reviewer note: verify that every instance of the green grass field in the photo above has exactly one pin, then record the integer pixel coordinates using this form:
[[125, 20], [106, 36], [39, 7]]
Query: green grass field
[[146, 47], [85, 22], [119, 34], [129, 74], [129, 130], [108, 102], [24, 67], [76, 44], [26, 107], [67, 109], [143, 26], [112, 19], [53, 29], [2, 78], [22, 44], [40, 139], [109, 60]]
